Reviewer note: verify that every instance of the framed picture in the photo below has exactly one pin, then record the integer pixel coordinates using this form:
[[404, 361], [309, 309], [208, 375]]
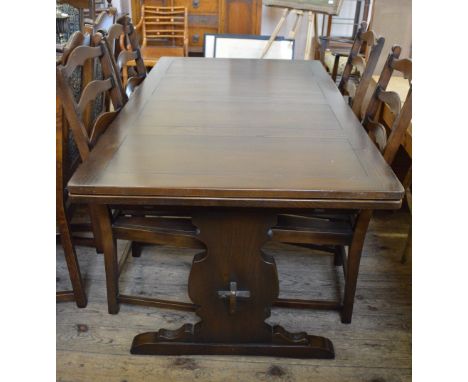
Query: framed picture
[[247, 46]]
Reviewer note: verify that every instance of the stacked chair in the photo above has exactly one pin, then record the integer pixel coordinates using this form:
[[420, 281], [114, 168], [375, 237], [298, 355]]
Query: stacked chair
[[122, 40], [349, 86], [138, 226], [342, 233]]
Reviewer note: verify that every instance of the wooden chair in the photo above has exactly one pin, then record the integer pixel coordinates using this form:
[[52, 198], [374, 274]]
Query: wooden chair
[[123, 43], [332, 231], [103, 22], [164, 31], [148, 226], [65, 166], [364, 66]]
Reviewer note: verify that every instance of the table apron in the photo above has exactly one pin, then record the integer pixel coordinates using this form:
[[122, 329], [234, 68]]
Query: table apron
[[239, 202]]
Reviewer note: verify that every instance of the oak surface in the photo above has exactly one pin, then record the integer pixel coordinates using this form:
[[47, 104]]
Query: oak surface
[[202, 128]]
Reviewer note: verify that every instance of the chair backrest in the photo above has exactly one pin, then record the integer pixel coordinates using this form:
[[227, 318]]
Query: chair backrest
[[161, 25], [65, 165], [86, 134], [122, 40], [365, 67], [105, 20], [389, 143]]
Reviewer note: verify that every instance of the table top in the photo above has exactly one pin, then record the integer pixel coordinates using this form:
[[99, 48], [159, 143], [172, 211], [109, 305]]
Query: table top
[[201, 129]]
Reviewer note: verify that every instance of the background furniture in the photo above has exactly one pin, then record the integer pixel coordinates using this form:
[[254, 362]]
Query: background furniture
[[211, 16], [164, 33], [246, 145], [312, 7], [88, 11], [330, 45]]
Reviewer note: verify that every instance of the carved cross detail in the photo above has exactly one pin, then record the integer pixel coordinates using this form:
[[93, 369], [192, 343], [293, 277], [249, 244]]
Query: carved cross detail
[[233, 294]]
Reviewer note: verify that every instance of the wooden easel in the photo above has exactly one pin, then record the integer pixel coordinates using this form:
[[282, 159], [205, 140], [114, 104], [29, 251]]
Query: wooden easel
[[311, 30]]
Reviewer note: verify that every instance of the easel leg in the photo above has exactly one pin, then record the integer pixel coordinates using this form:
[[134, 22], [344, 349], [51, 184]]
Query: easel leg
[[297, 24], [310, 32], [275, 32]]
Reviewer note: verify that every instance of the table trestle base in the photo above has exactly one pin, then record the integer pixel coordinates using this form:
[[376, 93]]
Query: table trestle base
[[184, 341]]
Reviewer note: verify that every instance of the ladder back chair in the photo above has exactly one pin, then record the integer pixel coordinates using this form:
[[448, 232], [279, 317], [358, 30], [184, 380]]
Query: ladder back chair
[[123, 42], [65, 166], [164, 31], [334, 231], [86, 135], [138, 226], [365, 67]]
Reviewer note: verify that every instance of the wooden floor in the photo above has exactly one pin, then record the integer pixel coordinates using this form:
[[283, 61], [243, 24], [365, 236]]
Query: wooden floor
[[94, 346]]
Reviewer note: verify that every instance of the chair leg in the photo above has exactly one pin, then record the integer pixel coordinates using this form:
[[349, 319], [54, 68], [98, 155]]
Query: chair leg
[[71, 259], [136, 249], [103, 219], [408, 247], [354, 259], [336, 64], [338, 256]]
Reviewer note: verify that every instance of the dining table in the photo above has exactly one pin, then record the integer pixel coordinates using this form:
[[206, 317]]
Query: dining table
[[234, 143]]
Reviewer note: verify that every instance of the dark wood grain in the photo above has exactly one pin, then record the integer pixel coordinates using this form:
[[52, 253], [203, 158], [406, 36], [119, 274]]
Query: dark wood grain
[[233, 324], [237, 129]]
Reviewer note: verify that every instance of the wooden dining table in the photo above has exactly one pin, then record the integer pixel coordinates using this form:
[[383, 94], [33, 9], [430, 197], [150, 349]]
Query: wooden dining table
[[234, 143]]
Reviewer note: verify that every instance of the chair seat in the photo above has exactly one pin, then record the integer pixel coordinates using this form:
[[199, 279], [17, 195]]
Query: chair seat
[[151, 53], [331, 229], [170, 230]]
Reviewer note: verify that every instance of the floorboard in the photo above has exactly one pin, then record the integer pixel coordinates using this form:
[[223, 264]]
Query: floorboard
[[94, 346]]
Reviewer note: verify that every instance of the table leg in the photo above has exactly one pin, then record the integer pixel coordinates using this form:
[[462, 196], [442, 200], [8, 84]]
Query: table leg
[[96, 232], [353, 261], [275, 32], [233, 283], [103, 219]]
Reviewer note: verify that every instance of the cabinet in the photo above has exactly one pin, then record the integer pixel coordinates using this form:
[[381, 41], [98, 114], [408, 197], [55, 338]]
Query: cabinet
[[212, 16]]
